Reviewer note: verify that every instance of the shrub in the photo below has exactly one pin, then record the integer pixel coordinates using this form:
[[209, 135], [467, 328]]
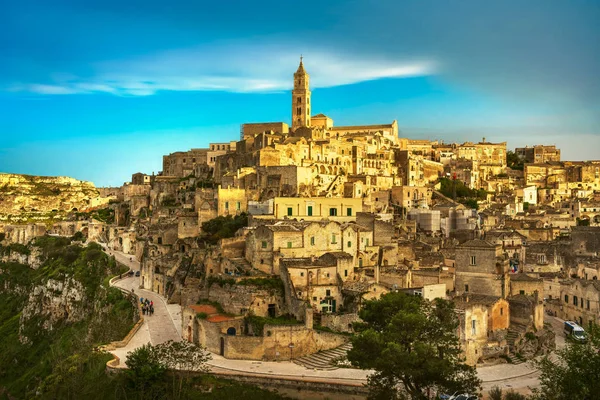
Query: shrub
[[495, 393], [223, 227]]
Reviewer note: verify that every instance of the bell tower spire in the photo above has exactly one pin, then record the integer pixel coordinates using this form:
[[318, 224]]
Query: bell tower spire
[[301, 98]]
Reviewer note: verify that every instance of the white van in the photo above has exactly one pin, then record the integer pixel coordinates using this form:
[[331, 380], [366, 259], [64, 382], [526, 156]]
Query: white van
[[574, 332]]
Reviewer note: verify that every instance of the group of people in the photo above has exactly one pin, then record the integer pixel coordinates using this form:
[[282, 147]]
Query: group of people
[[147, 306]]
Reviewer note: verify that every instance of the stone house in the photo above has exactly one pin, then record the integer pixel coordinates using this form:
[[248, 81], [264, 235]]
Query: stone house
[[525, 284], [481, 268], [317, 208], [545, 257], [580, 301], [483, 323], [318, 281], [268, 244], [513, 244]]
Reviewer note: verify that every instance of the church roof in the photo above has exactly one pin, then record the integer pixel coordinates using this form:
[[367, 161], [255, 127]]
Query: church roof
[[320, 116]]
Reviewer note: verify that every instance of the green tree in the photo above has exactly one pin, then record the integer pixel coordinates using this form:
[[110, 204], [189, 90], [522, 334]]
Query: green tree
[[575, 373], [148, 366], [145, 372], [412, 346], [223, 227], [513, 161]]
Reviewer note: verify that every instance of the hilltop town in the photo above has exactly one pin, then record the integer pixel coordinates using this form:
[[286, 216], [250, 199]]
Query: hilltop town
[[273, 240]]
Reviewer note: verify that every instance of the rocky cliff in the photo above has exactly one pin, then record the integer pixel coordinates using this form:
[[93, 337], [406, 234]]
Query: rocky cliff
[[26, 198], [56, 304]]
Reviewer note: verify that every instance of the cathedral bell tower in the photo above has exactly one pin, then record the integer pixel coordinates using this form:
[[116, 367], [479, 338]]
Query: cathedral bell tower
[[300, 98]]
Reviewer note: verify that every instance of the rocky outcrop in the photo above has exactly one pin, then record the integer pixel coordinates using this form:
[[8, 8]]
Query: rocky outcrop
[[27, 198], [55, 301], [32, 258]]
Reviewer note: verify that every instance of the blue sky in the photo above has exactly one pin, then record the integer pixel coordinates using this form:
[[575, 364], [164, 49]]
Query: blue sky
[[99, 90]]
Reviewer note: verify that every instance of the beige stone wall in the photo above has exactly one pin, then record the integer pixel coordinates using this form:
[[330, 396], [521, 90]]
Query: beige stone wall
[[241, 299], [187, 226], [274, 346], [340, 322], [251, 130], [319, 207], [527, 287], [231, 201]]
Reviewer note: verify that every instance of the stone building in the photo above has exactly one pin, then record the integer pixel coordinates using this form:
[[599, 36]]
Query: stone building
[[483, 323], [580, 301], [481, 268], [538, 153]]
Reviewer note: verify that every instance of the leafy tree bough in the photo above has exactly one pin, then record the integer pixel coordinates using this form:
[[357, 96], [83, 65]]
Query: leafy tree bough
[[412, 346]]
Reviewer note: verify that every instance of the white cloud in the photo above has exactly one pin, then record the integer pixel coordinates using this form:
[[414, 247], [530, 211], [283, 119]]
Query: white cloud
[[243, 67]]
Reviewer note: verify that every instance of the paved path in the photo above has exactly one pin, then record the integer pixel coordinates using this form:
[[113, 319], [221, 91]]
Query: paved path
[[165, 325], [158, 328]]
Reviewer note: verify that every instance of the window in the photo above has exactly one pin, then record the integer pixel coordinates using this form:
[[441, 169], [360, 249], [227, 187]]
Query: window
[[333, 241], [581, 303], [501, 311], [349, 244], [466, 288], [473, 327], [289, 244], [360, 263], [473, 260], [521, 292], [566, 298], [299, 100], [301, 273], [290, 211], [349, 212], [541, 258], [588, 304], [346, 274], [227, 205], [575, 300], [309, 211], [264, 244], [333, 212], [312, 240], [238, 205], [328, 292]]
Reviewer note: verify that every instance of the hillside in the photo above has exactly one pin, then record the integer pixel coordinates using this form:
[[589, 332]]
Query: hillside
[[53, 316], [26, 198]]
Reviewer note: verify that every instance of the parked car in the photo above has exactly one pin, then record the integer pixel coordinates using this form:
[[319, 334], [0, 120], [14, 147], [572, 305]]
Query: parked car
[[130, 273], [137, 273]]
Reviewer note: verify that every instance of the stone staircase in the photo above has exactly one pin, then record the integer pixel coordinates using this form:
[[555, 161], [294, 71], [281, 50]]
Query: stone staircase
[[512, 335], [323, 359]]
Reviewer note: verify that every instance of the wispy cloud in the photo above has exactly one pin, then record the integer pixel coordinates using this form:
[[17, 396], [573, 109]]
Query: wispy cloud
[[231, 68]]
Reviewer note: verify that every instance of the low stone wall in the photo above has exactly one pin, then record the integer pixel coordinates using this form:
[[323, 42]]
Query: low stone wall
[[340, 322], [116, 362], [275, 344]]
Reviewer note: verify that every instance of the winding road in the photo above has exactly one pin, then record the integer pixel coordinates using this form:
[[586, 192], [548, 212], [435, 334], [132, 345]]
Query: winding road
[[165, 325]]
